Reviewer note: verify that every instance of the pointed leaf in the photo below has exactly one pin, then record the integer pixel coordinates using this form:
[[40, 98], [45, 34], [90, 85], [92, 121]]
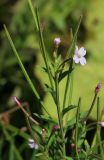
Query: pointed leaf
[[45, 69], [65, 110], [48, 88], [64, 74], [45, 118]]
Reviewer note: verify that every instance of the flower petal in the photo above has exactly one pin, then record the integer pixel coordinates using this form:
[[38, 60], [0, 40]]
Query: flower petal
[[36, 146], [82, 51], [31, 140], [101, 123], [76, 50], [31, 145], [82, 61], [76, 59]]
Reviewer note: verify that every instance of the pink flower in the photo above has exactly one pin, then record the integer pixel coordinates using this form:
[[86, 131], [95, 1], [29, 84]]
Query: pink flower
[[55, 128], [79, 150], [57, 41], [73, 145], [98, 87], [79, 55], [101, 124]]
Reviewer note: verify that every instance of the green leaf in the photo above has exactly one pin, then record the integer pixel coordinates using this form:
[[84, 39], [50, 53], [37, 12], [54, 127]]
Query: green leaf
[[45, 118], [13, 129], [38, 154], [48, 88], [11, 151], [45, 69], [1, 148], [20, 63], [17, 154], [65, 110], [87, 146], [64, 74], [57, 63], [33, 13], [74, 37], [23, 68], [70, 124], [68, 158]]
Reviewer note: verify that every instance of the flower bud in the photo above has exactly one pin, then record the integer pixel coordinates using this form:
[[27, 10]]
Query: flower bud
[[55, 128], [17, 101], [79, 150], [57, 42], [73, 145], [98, 87], [43, 132]]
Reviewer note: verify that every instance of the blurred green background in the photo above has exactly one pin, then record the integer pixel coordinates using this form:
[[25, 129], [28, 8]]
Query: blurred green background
[[57, 17]]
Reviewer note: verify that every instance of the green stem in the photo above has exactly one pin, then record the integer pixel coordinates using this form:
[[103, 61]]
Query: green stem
[[93, 102], [76, 130], [71, 89], [74, 37], [33, 13], [68, 54], [42, 46], [59, 113], [67, 85], [49, 138], [99, 129], [43, 50]]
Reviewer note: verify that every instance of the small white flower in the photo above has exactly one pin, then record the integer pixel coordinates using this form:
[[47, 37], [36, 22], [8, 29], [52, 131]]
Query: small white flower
[[101, 124], [57, 41], [79, 55], [32, 144]]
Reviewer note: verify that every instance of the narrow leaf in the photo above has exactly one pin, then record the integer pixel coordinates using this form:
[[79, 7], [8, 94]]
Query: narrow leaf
[[74, 37], [11, 151], [20, 63], [17, 154], [23, 68], [45, 118], [64, 74], [65, 110], [33, 13]]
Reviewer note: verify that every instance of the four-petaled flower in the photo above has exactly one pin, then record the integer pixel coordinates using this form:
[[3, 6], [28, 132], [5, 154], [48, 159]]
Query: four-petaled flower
[[79, 55]]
